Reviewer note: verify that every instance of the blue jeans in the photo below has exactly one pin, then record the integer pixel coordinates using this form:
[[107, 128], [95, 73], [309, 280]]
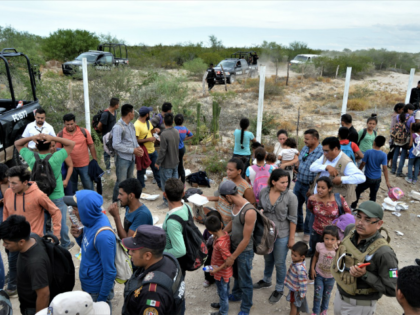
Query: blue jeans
[[165, 174], [223, 291], [416, 163], [65, 239], [277, 258], [12, 258], [140, 174], [107, 160], [323, 289], [108, 299], [124, 170], [300, 191], [84, 177], [242, 287], [395, 158]]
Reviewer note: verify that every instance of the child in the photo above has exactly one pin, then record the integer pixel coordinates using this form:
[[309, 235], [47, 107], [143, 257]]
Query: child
[[221, 273], [321, 269], [350, 148], [408, 289], [252, 170], [413, 159], [398, 109], [289, 155], [368, 135], [373, 160], [297, 280], [270, 159]]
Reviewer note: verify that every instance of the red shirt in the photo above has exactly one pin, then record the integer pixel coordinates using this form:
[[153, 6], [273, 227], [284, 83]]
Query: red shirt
[[221, 251], [353, 145]]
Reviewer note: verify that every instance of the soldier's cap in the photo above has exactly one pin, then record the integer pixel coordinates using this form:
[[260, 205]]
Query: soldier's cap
[[228, 188], [144, 110], [146, 236], [70, 200], [371, 209]]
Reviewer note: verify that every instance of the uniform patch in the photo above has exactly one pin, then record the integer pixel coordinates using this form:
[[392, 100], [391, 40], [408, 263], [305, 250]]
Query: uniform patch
[[137, 292], [50, 310], [150, 311], [393, 273], [149, 276], [152, 287], [153, 303]]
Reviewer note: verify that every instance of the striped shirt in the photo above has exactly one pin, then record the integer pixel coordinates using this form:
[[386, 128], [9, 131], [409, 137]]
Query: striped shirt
[[297, 278], [221, 252]]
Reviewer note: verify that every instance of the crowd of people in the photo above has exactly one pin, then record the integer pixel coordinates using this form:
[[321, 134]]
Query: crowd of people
[[341, 240]]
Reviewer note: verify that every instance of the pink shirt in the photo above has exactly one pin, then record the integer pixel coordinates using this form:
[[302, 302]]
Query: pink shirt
[[325, 260]]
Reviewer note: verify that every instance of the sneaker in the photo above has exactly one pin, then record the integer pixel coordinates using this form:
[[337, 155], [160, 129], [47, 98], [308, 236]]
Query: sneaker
[[393, 173], [108, 172], [11, 292], [70, 246], [323, 312], [414, 182], [233, 298], [154, 181], [306, 238], [275, 297], [215, 313], [206, 284], [261, 284], [163, 205], [215, 305], [409, 180], [400, 175]]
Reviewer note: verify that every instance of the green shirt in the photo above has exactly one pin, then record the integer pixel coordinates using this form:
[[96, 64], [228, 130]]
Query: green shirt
[[55, 161], [367, 141], [175, 244]]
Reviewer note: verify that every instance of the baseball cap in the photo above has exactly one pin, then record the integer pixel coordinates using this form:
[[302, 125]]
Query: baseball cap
[[70, 200], [228, 188], [146, 236], [144, 110], [75, 302], [371, 209]]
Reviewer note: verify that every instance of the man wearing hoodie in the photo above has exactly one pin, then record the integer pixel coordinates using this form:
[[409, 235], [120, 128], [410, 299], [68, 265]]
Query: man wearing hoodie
[[97, 268], [26, 199]]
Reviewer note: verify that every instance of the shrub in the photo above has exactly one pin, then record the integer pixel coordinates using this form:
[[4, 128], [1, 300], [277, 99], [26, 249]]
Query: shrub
[[268, 124], [211, 57], [358, 104], [196, 67], [214, 164]]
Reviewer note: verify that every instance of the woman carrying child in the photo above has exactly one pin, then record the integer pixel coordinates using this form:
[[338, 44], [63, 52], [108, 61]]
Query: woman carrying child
[[321, 269]]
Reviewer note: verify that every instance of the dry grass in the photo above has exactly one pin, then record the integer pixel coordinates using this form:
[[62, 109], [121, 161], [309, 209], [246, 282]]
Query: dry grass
[[358, 104], [285, 124], [323, 79]]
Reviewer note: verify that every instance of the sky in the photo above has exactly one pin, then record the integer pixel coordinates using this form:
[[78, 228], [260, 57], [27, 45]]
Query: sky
[[327, 25]]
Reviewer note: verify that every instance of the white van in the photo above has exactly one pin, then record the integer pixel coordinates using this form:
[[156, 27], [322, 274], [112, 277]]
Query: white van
[[299, 59]]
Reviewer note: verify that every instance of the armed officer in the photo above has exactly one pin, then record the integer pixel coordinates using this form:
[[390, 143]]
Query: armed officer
[[157, 287], [359, 288], [211, 77]]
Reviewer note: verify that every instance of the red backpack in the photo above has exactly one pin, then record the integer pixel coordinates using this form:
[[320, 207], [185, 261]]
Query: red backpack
[[262, 174]]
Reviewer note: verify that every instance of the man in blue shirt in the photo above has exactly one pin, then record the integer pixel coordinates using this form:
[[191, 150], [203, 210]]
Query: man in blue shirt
[[373, 160], [136, 213], [310, 153]]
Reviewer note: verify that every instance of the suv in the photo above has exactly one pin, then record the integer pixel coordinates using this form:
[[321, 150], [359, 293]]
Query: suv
[[100, 58], [301, 59], [13, 120], [235, 66]]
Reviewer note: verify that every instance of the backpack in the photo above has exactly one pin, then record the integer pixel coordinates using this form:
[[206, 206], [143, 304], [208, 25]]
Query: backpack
[[43, 174], [364, 135], [199, 178], [175, 286], [97, 118], [265, 231], [62, 267], [262, 174], [194, 243], [400, 134], [108, 138], [346, 148], [122, 260], [416, 146]]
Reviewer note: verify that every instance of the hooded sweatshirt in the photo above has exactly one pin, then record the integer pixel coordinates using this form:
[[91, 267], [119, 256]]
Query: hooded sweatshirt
[[31, 205], [97, 268]]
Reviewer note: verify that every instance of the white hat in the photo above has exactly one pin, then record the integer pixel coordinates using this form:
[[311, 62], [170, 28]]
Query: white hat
[[75, 302]]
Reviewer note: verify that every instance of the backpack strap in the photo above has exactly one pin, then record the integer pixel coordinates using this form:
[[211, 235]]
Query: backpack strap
[[339, 204], [247, 207], [363, 136], [37, 158], [100, 230], [83, 130]]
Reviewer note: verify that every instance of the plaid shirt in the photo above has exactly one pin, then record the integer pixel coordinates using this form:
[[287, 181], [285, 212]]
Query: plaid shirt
[[221, 252], [305, 176], [297, 278]]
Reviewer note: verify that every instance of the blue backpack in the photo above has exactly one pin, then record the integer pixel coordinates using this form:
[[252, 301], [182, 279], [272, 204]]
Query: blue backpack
[[346, 148]]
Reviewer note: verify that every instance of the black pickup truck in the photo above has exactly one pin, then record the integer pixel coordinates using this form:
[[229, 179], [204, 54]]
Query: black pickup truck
[[106, 57], [13, 119], [240, 64]]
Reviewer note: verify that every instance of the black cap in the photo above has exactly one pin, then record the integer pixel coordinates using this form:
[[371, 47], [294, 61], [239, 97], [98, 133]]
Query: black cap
[[146, 236], [70, 200]]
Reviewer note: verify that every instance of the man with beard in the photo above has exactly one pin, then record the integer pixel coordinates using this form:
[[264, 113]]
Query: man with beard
[[39, 126], [144, 134]]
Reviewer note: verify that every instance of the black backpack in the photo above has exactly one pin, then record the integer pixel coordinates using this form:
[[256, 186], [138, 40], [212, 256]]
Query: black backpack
[[199, 178], [43, 174], [175, 286], [194, 243], [62, 267], [97, 118]]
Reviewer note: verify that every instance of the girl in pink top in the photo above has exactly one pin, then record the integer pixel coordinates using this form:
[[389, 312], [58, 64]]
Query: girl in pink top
[[321, 269]]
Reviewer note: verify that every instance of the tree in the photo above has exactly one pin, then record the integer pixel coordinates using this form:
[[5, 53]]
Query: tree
[[215, 43], [68, 44]]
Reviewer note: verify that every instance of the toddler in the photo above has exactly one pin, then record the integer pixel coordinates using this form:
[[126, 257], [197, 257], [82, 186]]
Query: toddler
[[289, 155], [271, 159]]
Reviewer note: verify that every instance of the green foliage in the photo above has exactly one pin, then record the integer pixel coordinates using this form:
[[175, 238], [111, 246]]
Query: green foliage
[[277, 51], [268, 124], [359, 64], [215, 44], [211, 57], [67, 44], [213, 164], [196, 67], [215, 119]]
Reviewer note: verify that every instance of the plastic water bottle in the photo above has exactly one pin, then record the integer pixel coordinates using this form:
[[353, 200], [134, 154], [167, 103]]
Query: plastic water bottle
[[209, 268], [271, 231], [73, 218], [103, 210]]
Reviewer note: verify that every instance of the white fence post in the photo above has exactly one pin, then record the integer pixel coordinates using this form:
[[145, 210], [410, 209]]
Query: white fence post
[[86, 93], [346, 91], [410, 86], [260, 103]]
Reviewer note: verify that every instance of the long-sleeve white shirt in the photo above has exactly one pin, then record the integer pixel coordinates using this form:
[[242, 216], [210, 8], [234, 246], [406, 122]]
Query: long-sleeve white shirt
[[352, 175]]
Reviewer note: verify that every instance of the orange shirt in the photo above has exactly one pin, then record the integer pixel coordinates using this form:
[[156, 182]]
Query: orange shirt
[[80, 153]]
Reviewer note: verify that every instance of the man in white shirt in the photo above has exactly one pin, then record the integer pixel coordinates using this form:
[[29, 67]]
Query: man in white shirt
[[39, 126]]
